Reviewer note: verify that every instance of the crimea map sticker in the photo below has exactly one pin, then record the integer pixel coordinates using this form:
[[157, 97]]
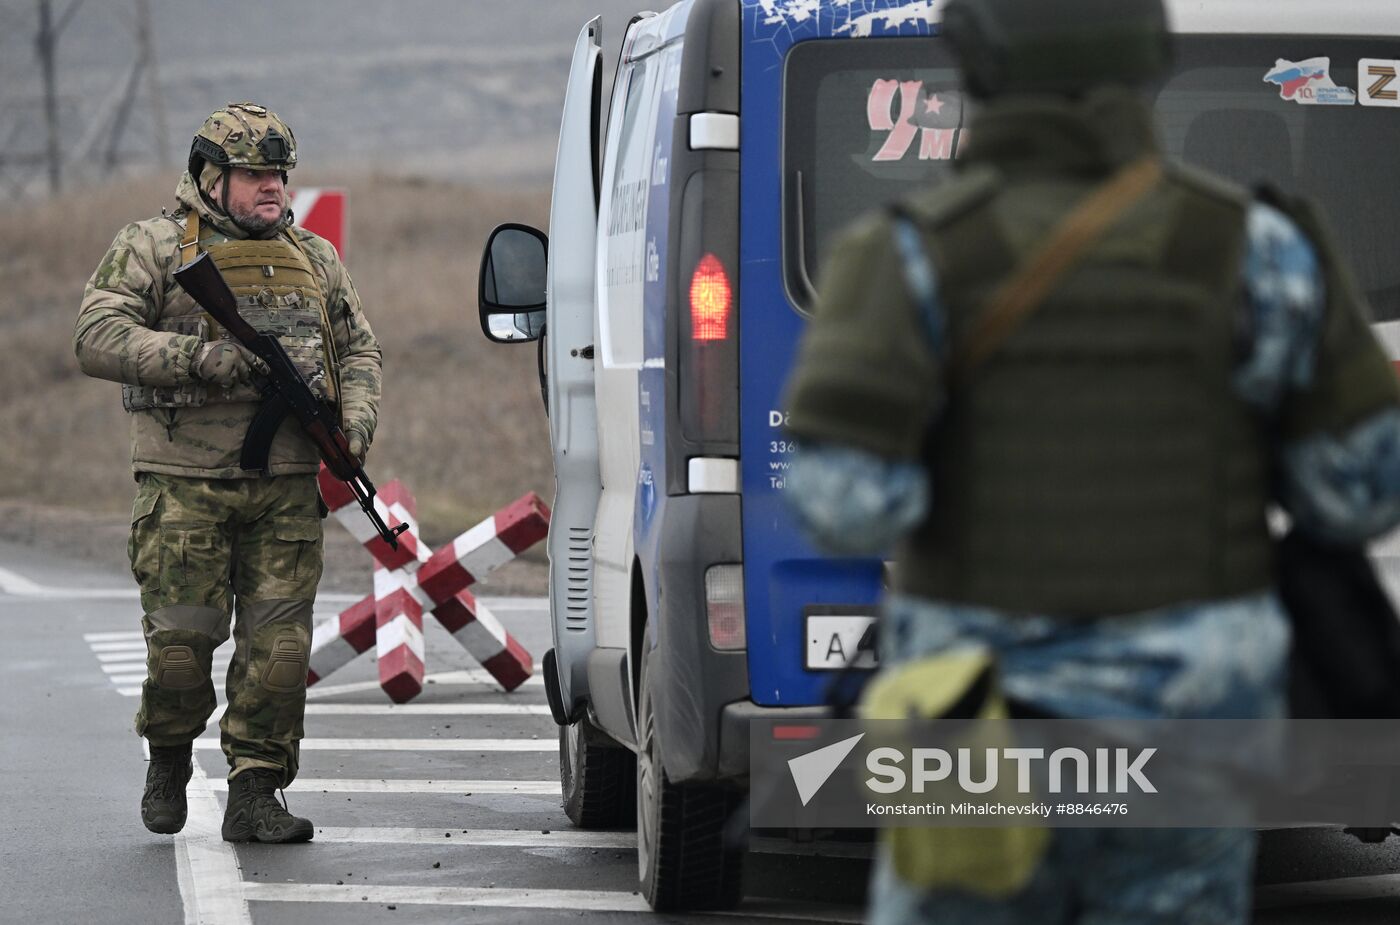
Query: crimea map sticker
[[1309, 83]]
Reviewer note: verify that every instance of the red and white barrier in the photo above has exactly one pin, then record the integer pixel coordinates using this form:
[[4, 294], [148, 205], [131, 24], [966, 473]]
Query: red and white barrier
[[336, 642], [413, 579]]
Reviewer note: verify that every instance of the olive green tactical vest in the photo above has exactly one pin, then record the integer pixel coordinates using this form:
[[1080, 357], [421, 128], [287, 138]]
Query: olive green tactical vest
[[1100, 462], [277, 293]]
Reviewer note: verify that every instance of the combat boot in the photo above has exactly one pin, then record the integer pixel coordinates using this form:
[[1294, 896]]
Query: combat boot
[[163, 806], [254, 813]]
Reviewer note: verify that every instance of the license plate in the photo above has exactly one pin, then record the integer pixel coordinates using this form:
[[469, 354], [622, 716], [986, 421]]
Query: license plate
[[833, 640]]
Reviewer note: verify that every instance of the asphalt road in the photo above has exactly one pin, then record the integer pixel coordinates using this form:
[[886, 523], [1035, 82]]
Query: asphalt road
[[444, 810]]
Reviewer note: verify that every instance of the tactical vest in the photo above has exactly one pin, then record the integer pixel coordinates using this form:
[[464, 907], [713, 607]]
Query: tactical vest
[[278, 292], [1100, 462]]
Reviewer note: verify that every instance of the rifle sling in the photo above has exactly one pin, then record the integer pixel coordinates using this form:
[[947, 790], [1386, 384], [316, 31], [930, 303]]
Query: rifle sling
[[1015, 300]]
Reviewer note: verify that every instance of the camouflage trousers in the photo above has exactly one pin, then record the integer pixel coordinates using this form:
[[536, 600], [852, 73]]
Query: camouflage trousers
[[199, 549]]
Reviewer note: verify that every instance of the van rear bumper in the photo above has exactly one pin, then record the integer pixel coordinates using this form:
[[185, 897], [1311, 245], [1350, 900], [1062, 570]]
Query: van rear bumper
[[734, 732], [702, 699]]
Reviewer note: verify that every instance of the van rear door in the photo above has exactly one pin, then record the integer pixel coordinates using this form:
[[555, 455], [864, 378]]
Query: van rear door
[[840, 128], [573, 420]]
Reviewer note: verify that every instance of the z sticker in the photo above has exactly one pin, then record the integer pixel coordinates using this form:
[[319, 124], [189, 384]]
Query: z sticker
[[1380, 82], [1309, 83]]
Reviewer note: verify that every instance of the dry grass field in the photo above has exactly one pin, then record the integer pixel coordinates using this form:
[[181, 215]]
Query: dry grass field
[[461, 422]]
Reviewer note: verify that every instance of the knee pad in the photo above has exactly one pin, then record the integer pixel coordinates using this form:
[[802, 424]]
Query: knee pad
[[288, 648], [177, 669], [180, 665]]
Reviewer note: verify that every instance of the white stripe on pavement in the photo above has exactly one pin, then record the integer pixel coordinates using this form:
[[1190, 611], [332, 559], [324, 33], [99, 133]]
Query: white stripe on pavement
[[129, 691], [415, 709], [124, 679], [479, 838], [1314, 892], [211, 882], [112, 661], [573, 900], [414, 745], [398, 785], [496, 897], [113, 637], [445, 678], [565, 838], [117, 647]]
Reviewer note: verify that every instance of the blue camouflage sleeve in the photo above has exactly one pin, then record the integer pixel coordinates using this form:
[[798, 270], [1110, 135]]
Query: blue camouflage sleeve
[[853, 501], [1343, 487]]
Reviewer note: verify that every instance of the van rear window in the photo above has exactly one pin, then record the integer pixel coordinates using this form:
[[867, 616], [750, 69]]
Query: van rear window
[[867, 121]]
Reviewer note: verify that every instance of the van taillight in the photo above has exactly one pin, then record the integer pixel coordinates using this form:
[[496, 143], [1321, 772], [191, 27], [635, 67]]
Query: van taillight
[[707, 311], [711, 300]]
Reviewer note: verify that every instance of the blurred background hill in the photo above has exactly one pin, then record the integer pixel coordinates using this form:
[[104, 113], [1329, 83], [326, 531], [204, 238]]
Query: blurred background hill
[[439, 117]]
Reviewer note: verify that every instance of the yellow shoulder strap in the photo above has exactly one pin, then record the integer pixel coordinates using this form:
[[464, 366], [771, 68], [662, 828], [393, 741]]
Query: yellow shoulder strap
[[191, 238]]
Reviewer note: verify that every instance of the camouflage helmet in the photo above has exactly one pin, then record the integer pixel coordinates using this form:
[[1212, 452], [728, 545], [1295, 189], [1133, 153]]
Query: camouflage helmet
[[243, 135], [1065, 47]]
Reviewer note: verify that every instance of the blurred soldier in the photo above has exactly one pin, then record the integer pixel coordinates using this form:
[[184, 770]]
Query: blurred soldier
[[205, 533], [1080, 481]]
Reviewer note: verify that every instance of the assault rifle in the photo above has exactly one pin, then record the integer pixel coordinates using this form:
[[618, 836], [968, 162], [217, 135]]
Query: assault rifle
[[284, 391]]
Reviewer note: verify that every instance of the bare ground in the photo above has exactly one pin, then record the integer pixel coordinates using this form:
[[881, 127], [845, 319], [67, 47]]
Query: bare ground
[[461, 422]]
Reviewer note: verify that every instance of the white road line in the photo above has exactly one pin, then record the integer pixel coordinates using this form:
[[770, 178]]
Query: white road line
[[113, 637], [134, 663], [515, 603], [549, 788], [495, 897], [445, 678], [479, 838], [211, 882], [574, 900], [124, 679], [565, 838], [414, 745], [1314, 892], [110, 659], [418, 709], [129, 691], [117, 647]]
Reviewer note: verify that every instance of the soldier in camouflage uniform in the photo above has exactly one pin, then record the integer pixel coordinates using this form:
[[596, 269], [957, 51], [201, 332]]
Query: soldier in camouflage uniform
[[206, 535]]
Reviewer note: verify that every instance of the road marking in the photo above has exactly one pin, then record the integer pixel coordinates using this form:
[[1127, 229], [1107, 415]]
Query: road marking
[[444, 678], [414, 745], [1313, 892], [211, 882], [113, 637], [574, 900], [566, 838], [123, 679], [115, 660], [496, 897], [479, 838], [417, 709], [117, 647], [134, 663], [398, 785], [129, 691]]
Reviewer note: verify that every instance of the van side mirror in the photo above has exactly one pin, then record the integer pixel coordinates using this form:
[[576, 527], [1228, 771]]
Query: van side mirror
[[511, 285]]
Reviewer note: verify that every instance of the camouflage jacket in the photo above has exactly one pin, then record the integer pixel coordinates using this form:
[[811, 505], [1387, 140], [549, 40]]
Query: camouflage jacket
[[115, 338]]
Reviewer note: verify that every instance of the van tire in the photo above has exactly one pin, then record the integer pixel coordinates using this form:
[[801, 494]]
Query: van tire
[[683, 860], [597, 777]]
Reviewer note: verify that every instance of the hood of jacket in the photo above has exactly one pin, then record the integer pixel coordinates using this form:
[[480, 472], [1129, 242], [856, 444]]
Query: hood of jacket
[[188, 195]]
